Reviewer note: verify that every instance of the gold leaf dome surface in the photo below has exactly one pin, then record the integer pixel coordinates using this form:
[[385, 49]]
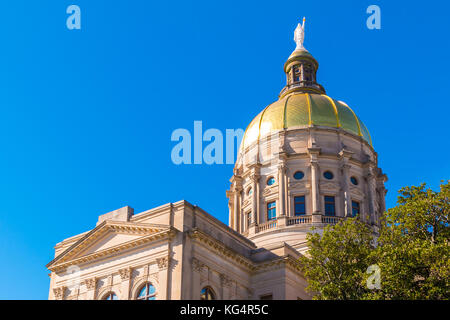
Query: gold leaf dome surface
[[304, 110]]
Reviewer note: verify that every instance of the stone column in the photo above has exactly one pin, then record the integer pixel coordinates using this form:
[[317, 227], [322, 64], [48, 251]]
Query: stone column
[[314, 153], [230, 214], [255, 199], [236, 202], [281, 198], [255, 180], [371, 189], [345, 186], [286, 193], [125, 275], [345, 167], [258, 204], [281, 211], [236, 181]]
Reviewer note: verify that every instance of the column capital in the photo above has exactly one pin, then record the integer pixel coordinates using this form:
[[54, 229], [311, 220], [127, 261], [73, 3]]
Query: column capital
[[197, 265], [163, 263], [314, 163], [90, 283], [59, 292], [125, 273], [225, 281], [255, 177]]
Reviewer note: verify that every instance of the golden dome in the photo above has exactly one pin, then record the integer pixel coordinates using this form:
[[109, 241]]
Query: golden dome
[[304, 110]]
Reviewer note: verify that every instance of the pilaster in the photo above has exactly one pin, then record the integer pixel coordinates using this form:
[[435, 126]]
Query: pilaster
[[314, 155], [91, 285], [345, 167], [163, 277], [125, 275]]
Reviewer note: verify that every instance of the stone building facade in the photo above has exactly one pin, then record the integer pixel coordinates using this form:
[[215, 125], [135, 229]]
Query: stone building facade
[[306, 160]]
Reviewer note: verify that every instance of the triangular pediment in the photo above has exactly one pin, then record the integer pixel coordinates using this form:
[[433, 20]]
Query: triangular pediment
[[109, 237]]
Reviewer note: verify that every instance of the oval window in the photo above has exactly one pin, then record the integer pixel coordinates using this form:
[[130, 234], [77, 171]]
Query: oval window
[[271, 181], [299, 175], [354, 181], [328, 175]]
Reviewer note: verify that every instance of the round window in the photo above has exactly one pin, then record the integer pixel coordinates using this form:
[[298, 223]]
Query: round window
[[299, 175], [328, 175], [271, 181], [354, 181]]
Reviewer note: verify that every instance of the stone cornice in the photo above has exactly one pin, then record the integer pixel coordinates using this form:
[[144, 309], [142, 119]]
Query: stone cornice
[[223, 227], [286, 260], [149, 233], [155, 211], [220, 248]]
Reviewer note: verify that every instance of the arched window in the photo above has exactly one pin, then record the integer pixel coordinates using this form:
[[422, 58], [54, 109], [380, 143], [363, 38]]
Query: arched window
[[207, 294], [110, 296], [147, 292]]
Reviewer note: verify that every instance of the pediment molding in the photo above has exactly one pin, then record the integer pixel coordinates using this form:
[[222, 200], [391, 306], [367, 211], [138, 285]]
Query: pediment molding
[[145, 233]]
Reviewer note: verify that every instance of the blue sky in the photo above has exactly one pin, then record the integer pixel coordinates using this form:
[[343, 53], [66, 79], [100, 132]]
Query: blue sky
[[87, 115]]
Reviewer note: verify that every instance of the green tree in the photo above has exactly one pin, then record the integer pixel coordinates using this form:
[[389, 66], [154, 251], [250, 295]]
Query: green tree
[[337, 260], [413, 250]]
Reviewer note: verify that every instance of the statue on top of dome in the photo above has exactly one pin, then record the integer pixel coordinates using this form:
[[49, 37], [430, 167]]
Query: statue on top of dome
[[299, 35]]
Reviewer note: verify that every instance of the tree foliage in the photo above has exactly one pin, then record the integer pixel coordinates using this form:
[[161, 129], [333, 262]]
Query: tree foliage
[[413, 247], [412, 251], [338, 260]]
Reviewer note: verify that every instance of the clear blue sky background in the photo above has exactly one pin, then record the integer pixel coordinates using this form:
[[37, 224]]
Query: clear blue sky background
[[86, 116]]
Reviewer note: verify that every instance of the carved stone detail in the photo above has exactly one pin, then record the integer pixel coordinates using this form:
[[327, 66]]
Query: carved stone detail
[[163, 263], [59, 293], [225, 281], [90, 283], [125, 273], [197, 265]]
